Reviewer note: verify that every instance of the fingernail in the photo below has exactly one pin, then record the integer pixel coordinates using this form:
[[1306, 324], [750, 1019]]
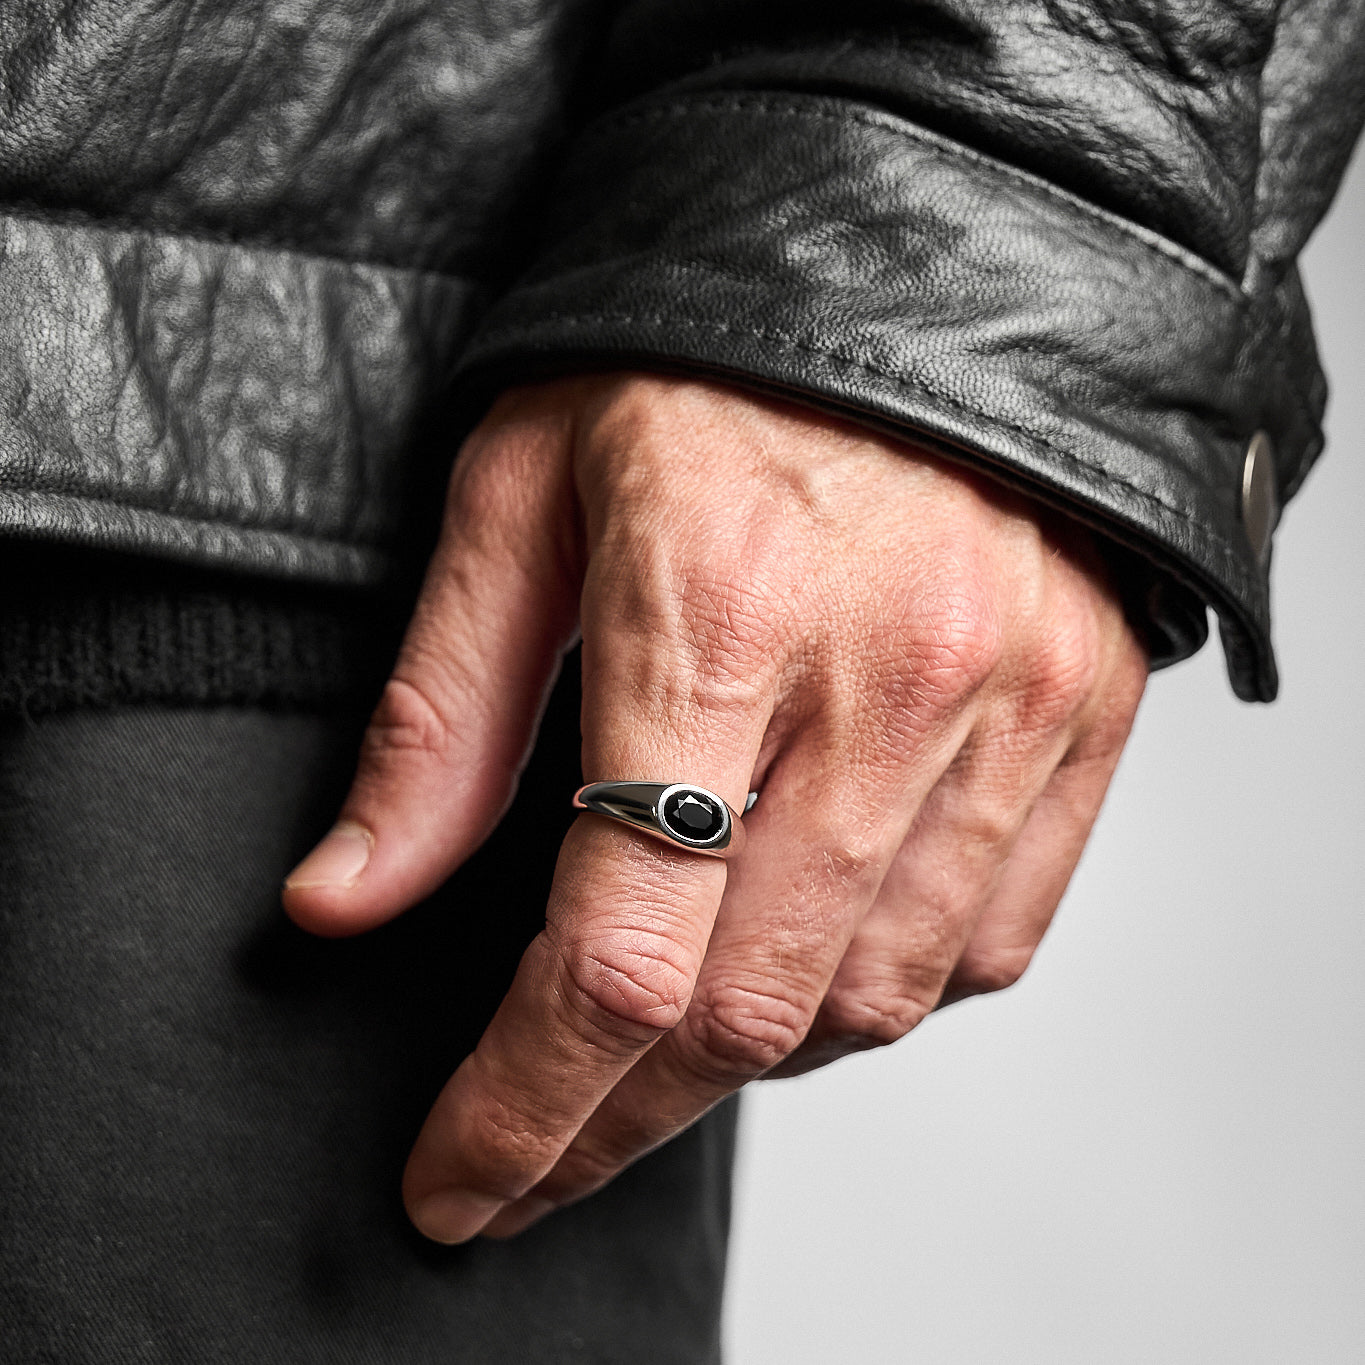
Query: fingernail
[[519, 1216], [452, 1216], [338, 860]]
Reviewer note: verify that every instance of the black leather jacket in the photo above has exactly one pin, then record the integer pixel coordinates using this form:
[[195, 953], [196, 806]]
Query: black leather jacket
[[251, 250]]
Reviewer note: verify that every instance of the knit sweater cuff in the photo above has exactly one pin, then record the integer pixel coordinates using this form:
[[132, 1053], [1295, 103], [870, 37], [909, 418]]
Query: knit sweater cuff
[[82, 629]]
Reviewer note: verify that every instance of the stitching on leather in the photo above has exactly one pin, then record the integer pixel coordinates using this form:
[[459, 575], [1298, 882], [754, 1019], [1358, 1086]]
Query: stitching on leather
[[77, 221], [1215, 541], [946, 149]]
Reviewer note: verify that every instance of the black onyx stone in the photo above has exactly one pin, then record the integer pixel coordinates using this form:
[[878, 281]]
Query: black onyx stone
[[693, 815]]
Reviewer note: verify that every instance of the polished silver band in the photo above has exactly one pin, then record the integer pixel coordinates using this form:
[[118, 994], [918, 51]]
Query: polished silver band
[[679, 813]]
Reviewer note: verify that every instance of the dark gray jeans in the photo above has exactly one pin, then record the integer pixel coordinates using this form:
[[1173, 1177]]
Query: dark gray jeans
[[204, 1112]]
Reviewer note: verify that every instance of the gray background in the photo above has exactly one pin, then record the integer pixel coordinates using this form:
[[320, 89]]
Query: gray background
[[1153, 1148]]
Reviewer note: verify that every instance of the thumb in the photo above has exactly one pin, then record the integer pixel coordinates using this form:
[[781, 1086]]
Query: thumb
[[440, 759]]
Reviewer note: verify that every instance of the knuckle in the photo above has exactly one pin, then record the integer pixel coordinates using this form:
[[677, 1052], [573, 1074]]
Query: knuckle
[[501, 1154], [1062, 669], [982, 973], [983, 830], [407, 720], [631, 988], [948, 643], [739, 1032], [968, 638], [864, 1020]]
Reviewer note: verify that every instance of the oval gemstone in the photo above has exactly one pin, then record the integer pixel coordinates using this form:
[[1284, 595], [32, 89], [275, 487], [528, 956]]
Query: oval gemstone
[[693, 815]]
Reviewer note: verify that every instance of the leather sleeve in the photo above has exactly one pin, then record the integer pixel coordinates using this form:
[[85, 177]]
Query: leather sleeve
[[1051, 238]]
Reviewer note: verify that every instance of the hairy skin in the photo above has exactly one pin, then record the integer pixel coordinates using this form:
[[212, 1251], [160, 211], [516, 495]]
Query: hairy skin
[[927, 677]]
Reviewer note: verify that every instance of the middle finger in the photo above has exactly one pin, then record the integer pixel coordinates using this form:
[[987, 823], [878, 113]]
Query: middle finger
[[626, 930]]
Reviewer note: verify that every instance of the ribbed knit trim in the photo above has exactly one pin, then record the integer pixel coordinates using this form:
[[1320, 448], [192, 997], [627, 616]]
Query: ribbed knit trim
[[83, 629]]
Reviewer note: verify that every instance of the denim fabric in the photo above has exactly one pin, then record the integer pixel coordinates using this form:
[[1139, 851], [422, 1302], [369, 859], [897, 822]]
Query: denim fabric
[[204, 1112]]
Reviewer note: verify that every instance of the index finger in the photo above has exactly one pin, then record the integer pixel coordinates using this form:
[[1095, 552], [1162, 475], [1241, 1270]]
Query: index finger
[[626, 930]]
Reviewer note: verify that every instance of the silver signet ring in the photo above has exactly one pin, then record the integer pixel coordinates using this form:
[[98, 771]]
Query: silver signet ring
[[679, 813]]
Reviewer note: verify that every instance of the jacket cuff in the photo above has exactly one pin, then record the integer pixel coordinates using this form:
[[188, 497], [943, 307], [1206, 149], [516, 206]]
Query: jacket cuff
[[829, 252]]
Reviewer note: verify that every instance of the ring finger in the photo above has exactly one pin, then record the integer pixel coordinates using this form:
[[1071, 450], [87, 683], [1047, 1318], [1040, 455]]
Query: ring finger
[[808, 875]]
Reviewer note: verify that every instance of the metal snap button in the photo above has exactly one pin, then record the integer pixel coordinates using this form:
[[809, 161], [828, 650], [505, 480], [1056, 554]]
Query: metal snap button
[[1260, 497]]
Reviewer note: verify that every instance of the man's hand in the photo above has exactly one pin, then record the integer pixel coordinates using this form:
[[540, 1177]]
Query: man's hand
[[926, 677]]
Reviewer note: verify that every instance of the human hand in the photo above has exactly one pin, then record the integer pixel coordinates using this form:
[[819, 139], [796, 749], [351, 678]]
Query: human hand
[[926, 676]]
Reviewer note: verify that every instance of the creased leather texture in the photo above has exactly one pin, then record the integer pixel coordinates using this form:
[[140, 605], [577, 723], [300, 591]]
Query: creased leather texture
[[249, 251]]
